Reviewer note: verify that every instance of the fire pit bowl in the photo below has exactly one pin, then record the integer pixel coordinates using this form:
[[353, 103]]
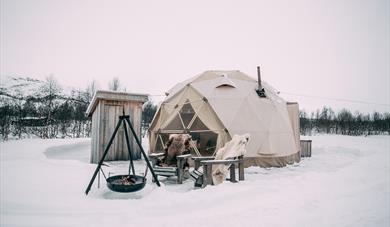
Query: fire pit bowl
[[126, 183]]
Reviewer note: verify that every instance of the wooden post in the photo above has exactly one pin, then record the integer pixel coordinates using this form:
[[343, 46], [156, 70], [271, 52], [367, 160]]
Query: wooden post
[[233, 173], [241, 168], [207, 178], [180, 165]]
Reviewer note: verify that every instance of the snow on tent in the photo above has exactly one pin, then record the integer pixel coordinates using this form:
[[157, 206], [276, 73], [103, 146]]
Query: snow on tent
[[216, 105]]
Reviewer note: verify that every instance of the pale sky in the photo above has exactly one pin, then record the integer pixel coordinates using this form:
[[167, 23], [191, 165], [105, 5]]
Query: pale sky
[[331, 48]]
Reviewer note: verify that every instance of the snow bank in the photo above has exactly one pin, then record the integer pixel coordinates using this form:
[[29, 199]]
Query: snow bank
[[345, 183]]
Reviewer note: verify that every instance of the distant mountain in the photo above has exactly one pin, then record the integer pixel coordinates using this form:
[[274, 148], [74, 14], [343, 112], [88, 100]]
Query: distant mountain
[[18, 88], [41, 108]]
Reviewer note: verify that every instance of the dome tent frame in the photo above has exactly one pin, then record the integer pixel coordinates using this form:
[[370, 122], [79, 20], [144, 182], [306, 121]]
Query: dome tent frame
[[203, 116], [227, 103]]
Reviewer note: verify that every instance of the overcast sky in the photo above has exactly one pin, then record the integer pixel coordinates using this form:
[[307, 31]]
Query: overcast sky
[[335, 49]]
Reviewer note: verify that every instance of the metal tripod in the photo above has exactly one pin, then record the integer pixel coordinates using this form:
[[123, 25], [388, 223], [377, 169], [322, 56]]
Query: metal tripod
[[123, 120]]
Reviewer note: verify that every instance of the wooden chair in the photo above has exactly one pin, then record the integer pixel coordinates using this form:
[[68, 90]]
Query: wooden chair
[[168, 171], [205, 178]]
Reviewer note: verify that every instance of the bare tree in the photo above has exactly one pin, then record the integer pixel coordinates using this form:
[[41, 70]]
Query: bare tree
[[91, 89], [51, 90], [114, 84]]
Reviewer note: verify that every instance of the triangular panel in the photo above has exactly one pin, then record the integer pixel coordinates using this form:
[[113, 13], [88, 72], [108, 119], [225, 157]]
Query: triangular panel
[[187, 113], [175, 124], [198, 125]]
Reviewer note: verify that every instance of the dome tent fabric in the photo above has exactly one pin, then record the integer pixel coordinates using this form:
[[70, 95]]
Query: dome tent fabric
[[216, 105]]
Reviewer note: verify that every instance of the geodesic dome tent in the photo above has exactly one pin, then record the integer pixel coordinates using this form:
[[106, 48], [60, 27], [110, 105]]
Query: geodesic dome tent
[[216, 105]]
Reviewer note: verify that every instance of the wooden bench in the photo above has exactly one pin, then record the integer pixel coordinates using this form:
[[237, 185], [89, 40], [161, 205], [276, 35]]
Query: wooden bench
[[205, 178], [168, 171]]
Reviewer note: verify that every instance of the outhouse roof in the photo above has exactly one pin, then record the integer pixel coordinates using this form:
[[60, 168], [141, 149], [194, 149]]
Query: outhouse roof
[[114, 96]]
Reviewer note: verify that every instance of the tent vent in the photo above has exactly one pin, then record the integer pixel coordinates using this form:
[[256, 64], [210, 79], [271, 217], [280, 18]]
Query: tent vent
[[225, 85], [205, 99], [224, 81], [260, 90]]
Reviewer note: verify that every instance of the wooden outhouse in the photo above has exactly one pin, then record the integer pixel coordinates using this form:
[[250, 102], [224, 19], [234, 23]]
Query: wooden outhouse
[[105, 109]]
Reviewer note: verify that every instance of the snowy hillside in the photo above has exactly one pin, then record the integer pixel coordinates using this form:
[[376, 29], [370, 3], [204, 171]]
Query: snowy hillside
[[22, 88], [344, 183], [45, 109], [19, 86]]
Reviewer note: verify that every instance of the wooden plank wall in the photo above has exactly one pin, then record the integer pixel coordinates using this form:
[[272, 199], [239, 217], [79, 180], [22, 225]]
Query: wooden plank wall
[[305, 148], [105, 119], [94, 135]]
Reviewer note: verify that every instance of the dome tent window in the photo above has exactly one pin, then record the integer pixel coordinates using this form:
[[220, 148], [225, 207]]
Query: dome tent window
[[187, 121], [187, 113], [175, 124]]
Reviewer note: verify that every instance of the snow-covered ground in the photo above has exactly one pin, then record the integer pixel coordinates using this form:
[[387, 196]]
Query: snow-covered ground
[[344, 183]]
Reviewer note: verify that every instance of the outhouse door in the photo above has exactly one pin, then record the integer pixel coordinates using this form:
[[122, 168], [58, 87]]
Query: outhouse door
[[118, 150]]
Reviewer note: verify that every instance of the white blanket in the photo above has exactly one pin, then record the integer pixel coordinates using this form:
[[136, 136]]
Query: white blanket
[[232, 149]]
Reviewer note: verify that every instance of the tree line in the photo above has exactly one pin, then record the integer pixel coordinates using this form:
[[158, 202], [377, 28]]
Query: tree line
[[49, 113], [52, 114], [344, 122]]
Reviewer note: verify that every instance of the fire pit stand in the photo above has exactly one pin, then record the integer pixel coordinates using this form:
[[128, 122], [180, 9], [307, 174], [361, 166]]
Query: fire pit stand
[[130, 182]]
